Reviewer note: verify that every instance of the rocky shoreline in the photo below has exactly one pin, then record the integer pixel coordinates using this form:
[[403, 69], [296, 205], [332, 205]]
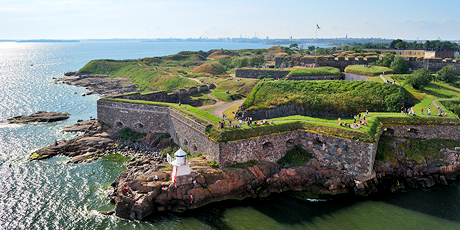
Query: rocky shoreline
[[146, 188], [99, 84], [137, 193]]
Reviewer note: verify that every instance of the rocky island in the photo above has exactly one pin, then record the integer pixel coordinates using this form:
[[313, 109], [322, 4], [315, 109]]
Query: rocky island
[[40, 116]]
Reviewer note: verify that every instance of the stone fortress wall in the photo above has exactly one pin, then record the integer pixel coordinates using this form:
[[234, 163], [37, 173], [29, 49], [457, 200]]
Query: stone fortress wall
[[353, 157], [341, 63], [173, 96]]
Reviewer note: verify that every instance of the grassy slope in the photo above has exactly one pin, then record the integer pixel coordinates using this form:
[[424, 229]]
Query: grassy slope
[[344, 96], [322, 71], [144, 76], [434, 91], [372, 71]]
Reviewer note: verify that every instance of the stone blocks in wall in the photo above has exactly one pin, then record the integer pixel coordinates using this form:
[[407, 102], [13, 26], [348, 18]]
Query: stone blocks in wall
[[138, 117], [423, 132], [290, 110], [157, 119], [246, 73], [356, 158]]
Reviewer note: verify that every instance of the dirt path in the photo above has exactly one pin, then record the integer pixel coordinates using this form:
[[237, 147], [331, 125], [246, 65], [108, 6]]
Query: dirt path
[[218, 102], [219, 110]]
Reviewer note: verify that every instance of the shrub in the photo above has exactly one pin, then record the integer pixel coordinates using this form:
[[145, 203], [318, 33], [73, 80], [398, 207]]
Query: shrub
[[127, 134], [419, 79], [399, 65], [295, 157], [447, 74]]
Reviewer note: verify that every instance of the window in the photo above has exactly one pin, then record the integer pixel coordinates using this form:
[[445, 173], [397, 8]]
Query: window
[[118, 124], [139, 126], [267, 146]]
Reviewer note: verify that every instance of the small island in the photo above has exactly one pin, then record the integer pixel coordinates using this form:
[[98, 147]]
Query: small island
[[40, 116]]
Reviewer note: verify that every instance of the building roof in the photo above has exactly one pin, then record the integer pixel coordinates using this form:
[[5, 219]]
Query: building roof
[[180, 153]]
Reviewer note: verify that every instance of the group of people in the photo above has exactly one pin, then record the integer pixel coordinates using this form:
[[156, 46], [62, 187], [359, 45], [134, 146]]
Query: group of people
[[410, 111], [247, 120], [355, 125]]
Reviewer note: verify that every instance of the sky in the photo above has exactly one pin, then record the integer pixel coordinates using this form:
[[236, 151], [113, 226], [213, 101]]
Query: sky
[[105, 19]]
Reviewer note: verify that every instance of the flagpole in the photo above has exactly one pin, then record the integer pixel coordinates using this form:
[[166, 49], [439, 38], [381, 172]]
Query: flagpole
[[316, 36]]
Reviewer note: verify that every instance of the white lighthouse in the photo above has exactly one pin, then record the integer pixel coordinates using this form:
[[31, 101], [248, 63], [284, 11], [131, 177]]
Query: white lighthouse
[[180, 167]]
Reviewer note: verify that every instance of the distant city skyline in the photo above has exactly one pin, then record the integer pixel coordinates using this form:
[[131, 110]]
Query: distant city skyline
[[103, 19]]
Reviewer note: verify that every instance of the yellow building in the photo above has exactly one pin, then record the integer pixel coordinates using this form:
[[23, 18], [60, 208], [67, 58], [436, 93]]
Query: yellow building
[[411, 53]]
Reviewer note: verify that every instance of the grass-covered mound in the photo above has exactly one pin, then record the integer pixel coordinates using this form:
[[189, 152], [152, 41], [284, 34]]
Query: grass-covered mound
[[334, 96], [145, 76], [368, 71], [211, 68], [322, 71]]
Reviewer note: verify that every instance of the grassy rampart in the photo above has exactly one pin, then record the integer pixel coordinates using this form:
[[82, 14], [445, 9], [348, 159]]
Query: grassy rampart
[[322, 71], [368, 71], [342, 96]]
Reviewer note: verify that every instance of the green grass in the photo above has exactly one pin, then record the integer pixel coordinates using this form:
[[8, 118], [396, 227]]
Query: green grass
[[423, 98], [342, 96], [145, 76], [375, 79], [201, 98], [233, 109], [243, 86], [222, 94], [372, 71], [322, 71]]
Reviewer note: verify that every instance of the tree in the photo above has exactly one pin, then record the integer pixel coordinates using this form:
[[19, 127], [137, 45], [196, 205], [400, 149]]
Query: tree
[[401, 45], [259, 60], [394, 42], [399, 65], [311, 48], [447, 74], [294, 46], [301, 50], [419, 79]]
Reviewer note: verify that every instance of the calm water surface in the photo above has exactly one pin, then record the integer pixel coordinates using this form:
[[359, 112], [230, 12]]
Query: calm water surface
[[53, 194]]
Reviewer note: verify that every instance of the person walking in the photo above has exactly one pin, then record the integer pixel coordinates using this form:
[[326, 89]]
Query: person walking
[[422, 111], [428, 111]]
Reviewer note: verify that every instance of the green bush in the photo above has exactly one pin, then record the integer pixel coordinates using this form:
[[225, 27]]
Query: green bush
[[399, 65], [295, 157], [419, 79], [447, 74], [127, 134]]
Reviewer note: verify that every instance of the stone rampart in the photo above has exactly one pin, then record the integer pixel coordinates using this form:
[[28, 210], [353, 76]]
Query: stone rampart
[[165, 96], [138, 117], [290, 110], [255, 73], [423, 131], [356, 158], [157, 119], [309, 78], [432, 64], [353, 157]]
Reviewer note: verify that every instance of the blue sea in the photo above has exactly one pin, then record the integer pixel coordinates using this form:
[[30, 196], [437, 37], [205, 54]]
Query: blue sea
[[53, 194]]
